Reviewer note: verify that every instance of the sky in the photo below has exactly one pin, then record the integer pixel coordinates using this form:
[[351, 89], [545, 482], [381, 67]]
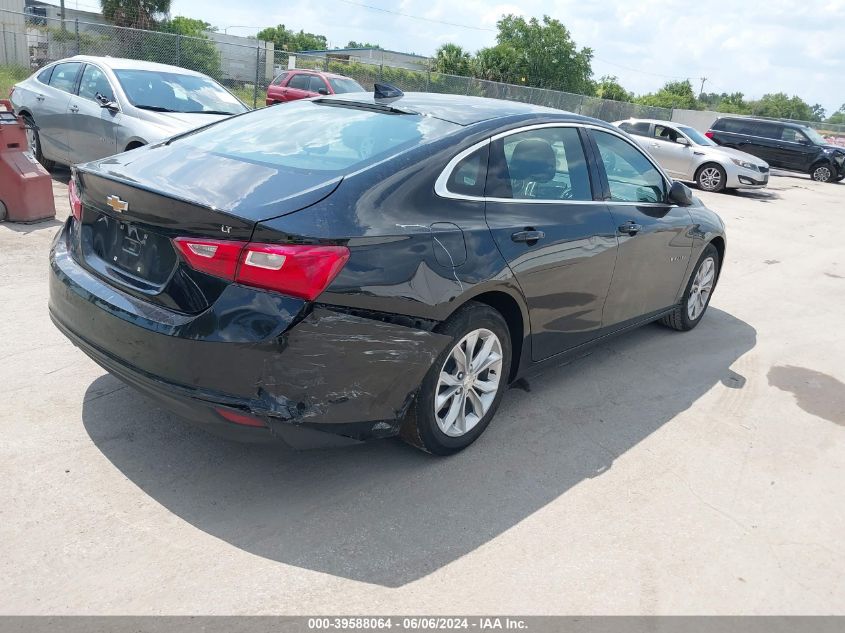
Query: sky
[[749, 46]]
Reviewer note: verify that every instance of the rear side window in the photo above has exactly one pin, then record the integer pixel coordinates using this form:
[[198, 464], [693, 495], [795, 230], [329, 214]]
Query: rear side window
[[544, 164], [64, 76], [639, 128], [44, 75], [329, 138], [300, 82], [468, 176]]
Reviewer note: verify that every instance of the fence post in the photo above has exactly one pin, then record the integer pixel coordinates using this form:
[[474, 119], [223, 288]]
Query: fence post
[[178, 49], [76, 27], [257, 70]]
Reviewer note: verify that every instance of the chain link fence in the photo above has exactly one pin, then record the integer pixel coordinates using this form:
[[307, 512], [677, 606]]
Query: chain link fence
[[247, 66]]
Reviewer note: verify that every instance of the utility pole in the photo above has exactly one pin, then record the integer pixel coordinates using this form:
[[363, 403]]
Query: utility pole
[[62, 13], [703, 79]]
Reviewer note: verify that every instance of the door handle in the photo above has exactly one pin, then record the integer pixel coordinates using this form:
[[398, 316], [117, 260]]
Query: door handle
[[529, 236], [74, 108], [630, 228]]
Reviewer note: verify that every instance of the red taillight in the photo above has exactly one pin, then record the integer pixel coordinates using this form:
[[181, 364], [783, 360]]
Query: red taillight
[[298, 270], [240, 418], [215, 257], [709, 134], [74, 199]]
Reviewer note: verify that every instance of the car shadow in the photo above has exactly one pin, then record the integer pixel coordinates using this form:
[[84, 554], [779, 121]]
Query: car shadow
[[387, 514], [761, 195]]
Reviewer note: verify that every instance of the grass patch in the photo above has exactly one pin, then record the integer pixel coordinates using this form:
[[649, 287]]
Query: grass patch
[[9, 76], [245, 94]]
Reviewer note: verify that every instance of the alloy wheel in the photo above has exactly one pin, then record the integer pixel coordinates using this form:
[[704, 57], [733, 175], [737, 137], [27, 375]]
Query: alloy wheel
[[702, 286], [468, 383], [710, 178], [822, 174]]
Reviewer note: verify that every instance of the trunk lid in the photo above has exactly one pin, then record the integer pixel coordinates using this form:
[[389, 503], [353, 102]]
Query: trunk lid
[[133, 206]]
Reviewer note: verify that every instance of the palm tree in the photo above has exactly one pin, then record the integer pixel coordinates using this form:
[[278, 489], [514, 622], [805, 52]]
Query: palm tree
[[138, 14], [451, 59]]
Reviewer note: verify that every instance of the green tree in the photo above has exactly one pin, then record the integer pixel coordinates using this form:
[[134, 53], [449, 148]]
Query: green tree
[[138, 14], [354, 44], [608, 87], [288, 40], [546, 56], [838, 117], [780, 106], [194, 51], [499, 63], [451, 59], [673, 94]]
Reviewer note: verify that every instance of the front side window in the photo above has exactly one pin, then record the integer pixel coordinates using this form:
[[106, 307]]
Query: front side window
[[64, 76], [329, 138], [631, 176], [666, 133], [317, 84], [94, 82], [300, 82], [175, 92], [544, 164], [792, 135]]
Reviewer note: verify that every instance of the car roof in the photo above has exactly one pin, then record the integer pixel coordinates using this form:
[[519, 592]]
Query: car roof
[[308, 71], [461, 109], [747, 119], [655, 121], [120, 63]]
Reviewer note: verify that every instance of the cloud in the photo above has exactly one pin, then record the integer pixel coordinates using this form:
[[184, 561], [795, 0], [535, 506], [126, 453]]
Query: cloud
[[790, 46]]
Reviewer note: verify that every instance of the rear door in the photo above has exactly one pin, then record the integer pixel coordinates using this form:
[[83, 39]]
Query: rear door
[[559, 242], [762, 139], [93, 129], [654, 245], [51, 115]]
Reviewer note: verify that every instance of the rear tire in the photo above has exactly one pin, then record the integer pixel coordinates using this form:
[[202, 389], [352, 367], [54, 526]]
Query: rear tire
[[711, 177], [689, 311], [822, 172], [34, 141], [456, 403]]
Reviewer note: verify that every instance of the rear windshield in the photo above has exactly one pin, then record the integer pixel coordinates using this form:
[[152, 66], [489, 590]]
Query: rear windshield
[[313, 136]]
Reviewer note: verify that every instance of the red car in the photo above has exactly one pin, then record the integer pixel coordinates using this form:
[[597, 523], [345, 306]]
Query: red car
[[301, 84]]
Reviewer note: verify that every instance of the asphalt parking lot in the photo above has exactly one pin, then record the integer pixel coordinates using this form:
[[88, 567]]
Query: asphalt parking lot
[[662, 473]]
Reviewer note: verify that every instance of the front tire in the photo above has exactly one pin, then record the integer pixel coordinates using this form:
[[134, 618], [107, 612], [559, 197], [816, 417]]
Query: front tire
[[822, 172], [34, 142], [464, 387], [711, 177], [689, 311]]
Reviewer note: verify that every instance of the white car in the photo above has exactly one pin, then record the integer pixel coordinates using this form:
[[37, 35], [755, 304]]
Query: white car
[[686, 154], [84, 108]]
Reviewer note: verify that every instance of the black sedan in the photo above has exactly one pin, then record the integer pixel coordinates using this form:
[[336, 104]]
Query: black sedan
[[352, 267]]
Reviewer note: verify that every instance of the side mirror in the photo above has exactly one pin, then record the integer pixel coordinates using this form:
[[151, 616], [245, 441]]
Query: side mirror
[[680, 194], [107, 103], [323, 91], [682, 140]]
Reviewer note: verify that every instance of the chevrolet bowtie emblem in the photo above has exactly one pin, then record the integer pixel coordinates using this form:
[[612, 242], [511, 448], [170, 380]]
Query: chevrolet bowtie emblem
[[117, 204]]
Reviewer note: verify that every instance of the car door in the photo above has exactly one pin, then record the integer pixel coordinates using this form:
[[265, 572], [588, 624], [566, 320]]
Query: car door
[[795, 150], [654, 235], [558, 240], [51, 113], [671, 152], [93, 128], [762, 139], [298, 87]]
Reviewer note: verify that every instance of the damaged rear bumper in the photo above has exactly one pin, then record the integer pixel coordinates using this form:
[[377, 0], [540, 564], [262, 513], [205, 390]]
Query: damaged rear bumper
[[313, 375]]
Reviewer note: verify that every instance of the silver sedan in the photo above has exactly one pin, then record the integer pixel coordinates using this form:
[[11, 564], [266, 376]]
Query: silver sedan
[[84, 108], [688, 155]]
